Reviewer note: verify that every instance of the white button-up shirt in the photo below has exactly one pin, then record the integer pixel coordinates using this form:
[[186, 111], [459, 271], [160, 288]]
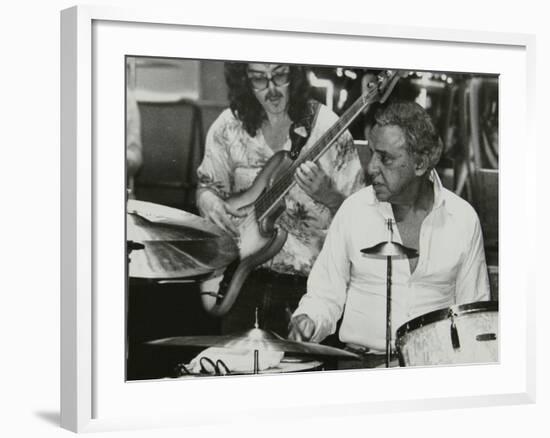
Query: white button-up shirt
[[451, 268]]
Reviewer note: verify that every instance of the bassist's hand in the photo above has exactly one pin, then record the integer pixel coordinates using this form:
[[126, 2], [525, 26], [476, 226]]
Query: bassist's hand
[[316, 183], [219, 212]]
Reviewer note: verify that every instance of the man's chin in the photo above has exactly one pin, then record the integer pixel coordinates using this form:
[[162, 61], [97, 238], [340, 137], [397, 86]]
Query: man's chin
[[276, 108], [381, 194], [382, 198]]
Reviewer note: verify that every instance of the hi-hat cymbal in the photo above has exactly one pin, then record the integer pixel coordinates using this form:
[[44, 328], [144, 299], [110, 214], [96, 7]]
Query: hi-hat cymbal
[[168, 243], [390, 249], [255, 339]]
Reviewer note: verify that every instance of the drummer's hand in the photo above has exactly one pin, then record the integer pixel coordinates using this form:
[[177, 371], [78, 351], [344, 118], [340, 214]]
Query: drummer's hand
[[219, 212], [301, 328]]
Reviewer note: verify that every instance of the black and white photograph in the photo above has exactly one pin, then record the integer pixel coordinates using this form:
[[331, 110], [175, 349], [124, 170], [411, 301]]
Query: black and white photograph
[[279, 219], [289, 218]]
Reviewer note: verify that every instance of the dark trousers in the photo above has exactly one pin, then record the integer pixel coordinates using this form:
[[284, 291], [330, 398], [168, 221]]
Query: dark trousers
[[274, 295]]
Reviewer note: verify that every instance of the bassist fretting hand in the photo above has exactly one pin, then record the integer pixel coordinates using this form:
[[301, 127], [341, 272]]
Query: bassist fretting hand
[[316, 183]]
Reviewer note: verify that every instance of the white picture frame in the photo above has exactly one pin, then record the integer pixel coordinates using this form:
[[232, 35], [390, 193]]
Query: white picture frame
[[92, 396]]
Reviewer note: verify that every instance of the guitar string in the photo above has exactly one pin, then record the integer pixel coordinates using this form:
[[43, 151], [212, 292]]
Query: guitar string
[[276, 190], [266, 199], [282, 184]]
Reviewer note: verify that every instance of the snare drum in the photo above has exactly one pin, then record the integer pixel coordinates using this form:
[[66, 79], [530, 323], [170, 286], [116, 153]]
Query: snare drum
[[466, 333]]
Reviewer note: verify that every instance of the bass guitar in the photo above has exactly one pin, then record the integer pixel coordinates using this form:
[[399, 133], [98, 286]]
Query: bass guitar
[[260, 239]]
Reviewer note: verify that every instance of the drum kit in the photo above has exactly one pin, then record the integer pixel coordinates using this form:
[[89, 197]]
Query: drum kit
[[167, 244]]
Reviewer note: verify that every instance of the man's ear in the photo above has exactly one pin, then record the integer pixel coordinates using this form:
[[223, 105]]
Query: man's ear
[[422, 164]]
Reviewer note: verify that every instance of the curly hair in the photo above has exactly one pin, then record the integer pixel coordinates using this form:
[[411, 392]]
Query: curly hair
[[245, 106], [420, 133]]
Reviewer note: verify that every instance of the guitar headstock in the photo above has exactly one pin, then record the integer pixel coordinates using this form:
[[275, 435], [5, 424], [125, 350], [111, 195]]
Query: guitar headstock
[[380, 89]]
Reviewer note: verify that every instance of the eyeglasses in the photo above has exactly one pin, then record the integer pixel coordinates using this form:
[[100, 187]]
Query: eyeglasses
[[260, 82]]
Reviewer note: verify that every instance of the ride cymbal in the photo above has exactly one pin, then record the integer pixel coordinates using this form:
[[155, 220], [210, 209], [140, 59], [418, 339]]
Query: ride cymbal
[[255, 339]]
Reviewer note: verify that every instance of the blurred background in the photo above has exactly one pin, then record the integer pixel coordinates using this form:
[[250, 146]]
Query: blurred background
[[177, 101]]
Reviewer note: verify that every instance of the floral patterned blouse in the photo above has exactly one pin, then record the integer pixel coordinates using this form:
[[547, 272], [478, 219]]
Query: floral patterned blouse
[[233, 159]]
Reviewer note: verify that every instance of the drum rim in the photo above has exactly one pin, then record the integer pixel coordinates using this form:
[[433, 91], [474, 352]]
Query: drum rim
[[442, 314]]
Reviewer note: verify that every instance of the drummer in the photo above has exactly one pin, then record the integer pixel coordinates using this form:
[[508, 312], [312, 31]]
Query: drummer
[[442, 227]]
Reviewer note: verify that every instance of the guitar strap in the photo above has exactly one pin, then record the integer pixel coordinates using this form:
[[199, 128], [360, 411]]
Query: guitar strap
[[300, 130]]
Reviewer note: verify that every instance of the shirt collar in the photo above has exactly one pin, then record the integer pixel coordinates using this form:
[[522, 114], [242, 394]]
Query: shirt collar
[[439, 192]]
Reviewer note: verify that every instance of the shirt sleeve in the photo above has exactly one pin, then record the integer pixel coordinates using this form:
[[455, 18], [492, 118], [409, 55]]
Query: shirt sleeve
[[215, 171], [327, 282], [472, 282]]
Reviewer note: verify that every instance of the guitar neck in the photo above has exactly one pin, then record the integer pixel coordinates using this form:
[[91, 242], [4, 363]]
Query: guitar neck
[[271, 197]]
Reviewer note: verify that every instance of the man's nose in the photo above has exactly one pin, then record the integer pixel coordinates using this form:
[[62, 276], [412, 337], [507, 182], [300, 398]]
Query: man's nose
[[270, 84], [373, 166]]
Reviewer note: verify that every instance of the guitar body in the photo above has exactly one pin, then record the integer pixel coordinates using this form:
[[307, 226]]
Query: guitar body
[[254, 234], [259, 239]]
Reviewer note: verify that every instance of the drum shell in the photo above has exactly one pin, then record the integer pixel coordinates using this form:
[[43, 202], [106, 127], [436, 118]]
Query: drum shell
[[427, 340]]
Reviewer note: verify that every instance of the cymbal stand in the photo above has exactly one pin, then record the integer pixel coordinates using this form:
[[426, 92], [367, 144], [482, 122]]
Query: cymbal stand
[[256, 351], [388, 297], [389, 250]]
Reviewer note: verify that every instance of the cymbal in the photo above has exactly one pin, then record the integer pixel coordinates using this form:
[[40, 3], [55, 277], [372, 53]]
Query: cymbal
[[255, 339], [390, 249], [151, 221], [168, 243]]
